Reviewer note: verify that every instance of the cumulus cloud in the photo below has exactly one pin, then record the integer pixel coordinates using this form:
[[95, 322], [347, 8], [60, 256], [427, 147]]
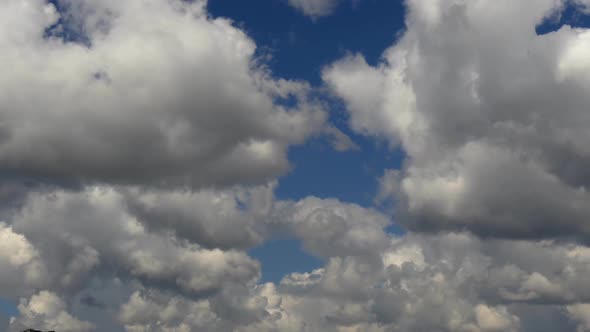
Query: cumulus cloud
[[20, 264], [47, 311], [371, 280], [328, 228], [492, 116], [79, 234], [178, 100], [214, 219], [581, 313], [455, 282]]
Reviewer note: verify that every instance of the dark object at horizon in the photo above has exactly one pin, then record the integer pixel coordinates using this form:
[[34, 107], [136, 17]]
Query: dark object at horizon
[[32, 330]]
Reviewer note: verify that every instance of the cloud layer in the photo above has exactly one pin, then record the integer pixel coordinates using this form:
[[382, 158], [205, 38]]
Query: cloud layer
[[141, 144], [64, 242]]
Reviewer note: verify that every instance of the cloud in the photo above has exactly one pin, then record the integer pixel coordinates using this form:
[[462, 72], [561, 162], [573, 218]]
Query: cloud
[[315, 8], [189, 241], [213, 219], [491, 115], [143, 156], [340, 141], [81, 234], [96, 243], [181, 100], [21, 266], [454, 282], [328, 227], [581, 313], [584, 4], [47, 311]]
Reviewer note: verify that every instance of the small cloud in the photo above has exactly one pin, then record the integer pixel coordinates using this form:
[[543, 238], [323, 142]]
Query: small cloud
[[339, 140], [315, 8]]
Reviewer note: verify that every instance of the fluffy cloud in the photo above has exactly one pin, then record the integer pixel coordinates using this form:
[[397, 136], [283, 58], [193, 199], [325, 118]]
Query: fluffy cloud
[[20, 263], [455, 282], [328, 228], [81, 234], [492, 116], [47, 311], [147, 178], [315, 8], [178, 100], [214, 219], [188, 240], [371, 280], [581, 313]]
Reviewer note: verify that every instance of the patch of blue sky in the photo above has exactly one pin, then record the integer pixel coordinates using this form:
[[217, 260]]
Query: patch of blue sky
[[66, 28], [298, 48], [301, 47], [8, 308], [572, 15], [280, 257]]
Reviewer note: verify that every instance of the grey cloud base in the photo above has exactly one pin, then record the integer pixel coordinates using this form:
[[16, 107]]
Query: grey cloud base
[[71, 244]]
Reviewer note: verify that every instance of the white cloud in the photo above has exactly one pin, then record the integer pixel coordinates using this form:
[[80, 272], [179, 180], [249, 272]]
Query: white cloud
[[20, 263], [370, 281], [328, 227], [315, 8], [47, 311], [180, 100], [456, 283], [213, 219], [79, 234], [581, 313], [491, 115], [490, 319]]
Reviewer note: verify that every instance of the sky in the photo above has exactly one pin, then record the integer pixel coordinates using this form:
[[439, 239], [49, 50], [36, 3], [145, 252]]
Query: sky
[[295, 165]]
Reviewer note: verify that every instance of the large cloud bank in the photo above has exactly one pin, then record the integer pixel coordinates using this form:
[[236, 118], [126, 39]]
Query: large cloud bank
[[139, 158], [492, 116]]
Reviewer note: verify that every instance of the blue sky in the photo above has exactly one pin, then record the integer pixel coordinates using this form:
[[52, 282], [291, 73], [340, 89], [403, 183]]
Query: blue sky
[[300, 47]]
